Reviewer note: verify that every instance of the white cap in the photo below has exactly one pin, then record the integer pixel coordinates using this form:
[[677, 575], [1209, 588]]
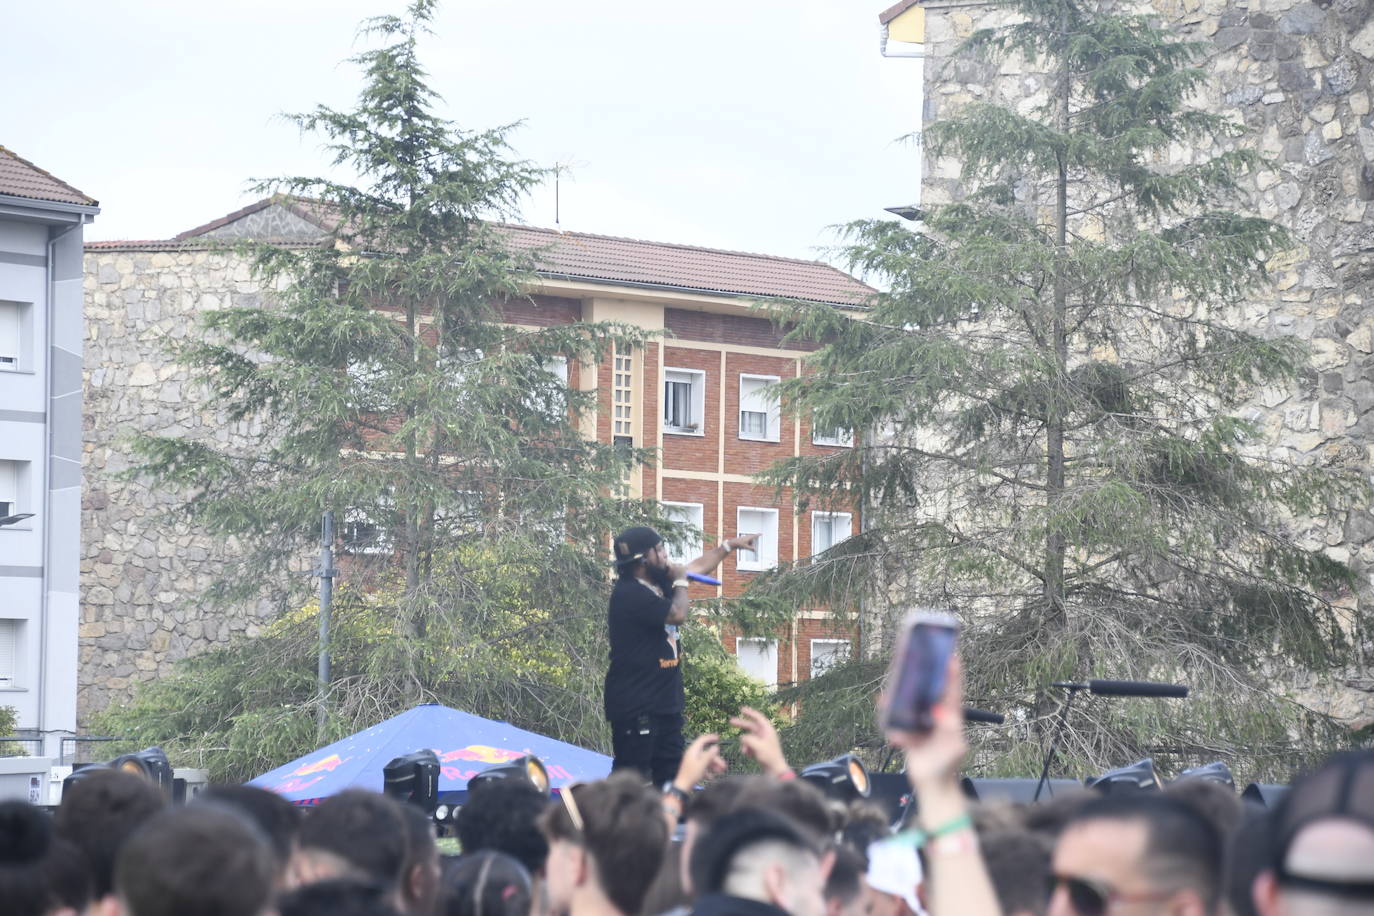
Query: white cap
[[894, 868]]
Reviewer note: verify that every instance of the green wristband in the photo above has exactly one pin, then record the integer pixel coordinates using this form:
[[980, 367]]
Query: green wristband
[[917, 838]]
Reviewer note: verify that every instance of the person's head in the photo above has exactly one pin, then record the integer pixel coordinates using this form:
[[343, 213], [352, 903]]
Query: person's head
[[760, 855], [200, 859], [845, 885], [338, 897], [1018, 862], [1321, 855], [69, 879], [274, 816], [639, 549], [486, 883], [606, 843], [99, 813], [355, 835], [1217, 802], [1247, 854], [864, 824], [1136, 855], [1047, 818], [502, 815], [420, 874], [26, 838], [893, 882]]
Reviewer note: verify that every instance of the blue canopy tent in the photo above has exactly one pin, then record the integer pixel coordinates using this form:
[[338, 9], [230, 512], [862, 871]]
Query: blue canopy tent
[[465, 745]]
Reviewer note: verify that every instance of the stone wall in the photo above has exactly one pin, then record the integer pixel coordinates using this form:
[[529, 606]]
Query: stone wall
[[142, 564], [1298, 76]]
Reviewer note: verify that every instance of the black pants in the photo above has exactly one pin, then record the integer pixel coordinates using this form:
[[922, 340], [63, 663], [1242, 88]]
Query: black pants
[[651, 744]]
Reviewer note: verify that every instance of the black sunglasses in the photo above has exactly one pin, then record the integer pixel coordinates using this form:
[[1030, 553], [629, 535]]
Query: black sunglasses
[[1092, 898]]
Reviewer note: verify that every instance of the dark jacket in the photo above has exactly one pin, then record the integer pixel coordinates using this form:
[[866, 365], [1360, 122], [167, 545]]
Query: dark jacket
[[725, 905]]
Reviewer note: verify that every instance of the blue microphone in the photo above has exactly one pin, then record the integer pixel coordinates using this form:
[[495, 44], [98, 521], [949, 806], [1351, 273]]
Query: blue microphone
[[704, 580]]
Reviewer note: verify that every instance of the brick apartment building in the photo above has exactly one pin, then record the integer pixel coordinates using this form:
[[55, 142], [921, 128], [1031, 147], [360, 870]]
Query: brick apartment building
[[699, 397]]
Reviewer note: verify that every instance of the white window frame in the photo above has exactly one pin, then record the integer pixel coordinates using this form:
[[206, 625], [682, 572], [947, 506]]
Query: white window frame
[[766, 557], [844, 440], [382, 544], [11, 639], [13, 487], [848, 648], [831, 517], [772, 431], [557, 366], [762, 648], [692, 549], [15, 333], [696, 378]]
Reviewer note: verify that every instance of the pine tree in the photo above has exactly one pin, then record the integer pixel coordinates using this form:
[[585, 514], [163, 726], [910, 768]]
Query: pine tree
[[1052, 388], [379, 378]]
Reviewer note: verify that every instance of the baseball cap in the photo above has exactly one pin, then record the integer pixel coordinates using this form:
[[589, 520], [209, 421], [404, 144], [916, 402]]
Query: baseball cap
[[1342, 788], [894, 868], [634, 543]]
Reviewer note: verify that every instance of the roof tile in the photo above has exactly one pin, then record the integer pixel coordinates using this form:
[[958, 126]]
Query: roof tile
[[21, 178]]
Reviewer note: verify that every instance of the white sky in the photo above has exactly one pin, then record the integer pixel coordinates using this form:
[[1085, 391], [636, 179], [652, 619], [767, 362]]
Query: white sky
[[744, 124]]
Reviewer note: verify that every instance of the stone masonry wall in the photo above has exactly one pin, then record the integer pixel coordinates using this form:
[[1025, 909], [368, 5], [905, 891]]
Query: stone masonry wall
[[1298, 76], [142, 563]]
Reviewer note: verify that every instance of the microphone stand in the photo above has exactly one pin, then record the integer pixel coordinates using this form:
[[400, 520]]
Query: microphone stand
[[1062, 724]]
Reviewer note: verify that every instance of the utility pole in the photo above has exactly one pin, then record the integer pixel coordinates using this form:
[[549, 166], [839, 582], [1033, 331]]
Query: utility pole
[[326, 574]]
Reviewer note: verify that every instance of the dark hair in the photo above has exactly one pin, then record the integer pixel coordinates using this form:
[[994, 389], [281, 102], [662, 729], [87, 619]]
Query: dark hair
[[423, 853], [202, 859], [1247, 854], [1219, 804], [624, 832], [1183, 849], [502, 815], [1049, 817], [486, 883], [844, 882], [68, 876], [364, 829], [25, 839], [337, 898], [1018, 863], [801, 801], [737, 831], [720, 797], [865, 824], [99, 812], [276, 817]]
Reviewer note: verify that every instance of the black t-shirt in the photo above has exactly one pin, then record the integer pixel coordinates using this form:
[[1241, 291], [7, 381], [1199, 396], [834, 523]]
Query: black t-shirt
[[645, 676]]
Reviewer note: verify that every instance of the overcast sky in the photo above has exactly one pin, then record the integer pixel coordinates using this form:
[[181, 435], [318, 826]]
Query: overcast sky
[[743, 124]]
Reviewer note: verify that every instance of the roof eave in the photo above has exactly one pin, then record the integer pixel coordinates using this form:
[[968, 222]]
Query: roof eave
[[692, 290], [8, 201]]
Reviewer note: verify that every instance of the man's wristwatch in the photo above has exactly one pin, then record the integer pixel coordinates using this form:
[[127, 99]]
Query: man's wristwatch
[[675, 792]]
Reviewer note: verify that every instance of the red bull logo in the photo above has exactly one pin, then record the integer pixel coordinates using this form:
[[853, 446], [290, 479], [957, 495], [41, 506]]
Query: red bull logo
[[323, 765], [481, 753]]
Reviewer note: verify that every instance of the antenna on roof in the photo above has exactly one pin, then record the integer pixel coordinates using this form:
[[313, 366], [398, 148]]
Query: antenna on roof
[[564, 165]]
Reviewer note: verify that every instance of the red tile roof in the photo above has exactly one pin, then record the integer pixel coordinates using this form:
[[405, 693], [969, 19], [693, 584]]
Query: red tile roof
[[895, 10], [613, 260], [21, 178]]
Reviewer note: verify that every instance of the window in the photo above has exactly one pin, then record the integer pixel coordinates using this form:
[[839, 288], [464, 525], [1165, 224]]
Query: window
[[684, 401], [12, 335], [764, 523], [828, 529], [553, 404], [9, 652], [827, 653], [686, 514], [9, 488], [363, 534], [840, 437], [758, 658], [758, 408], [622, 387]]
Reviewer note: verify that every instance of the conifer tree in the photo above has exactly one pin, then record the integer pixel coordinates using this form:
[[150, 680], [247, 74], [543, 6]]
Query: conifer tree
[[378, 375], [1051, 394]]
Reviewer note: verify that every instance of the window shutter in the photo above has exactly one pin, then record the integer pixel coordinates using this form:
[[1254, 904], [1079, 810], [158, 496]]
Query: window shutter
[[9, 335], [9, 643]]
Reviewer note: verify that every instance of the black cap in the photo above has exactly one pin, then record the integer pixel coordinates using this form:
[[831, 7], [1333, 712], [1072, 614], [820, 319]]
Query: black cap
[[1342, 787], [634, 543]]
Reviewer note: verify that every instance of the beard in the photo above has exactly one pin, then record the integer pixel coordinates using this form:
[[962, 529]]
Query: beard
[[660, 578]]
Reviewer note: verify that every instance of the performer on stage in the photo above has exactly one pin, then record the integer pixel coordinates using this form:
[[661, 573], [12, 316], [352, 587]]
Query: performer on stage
[[644, 697]]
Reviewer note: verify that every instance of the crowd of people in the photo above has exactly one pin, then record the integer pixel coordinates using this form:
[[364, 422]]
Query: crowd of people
[[709, 844]]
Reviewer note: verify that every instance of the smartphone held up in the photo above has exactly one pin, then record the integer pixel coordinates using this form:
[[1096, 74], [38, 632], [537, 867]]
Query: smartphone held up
[[919, 671]]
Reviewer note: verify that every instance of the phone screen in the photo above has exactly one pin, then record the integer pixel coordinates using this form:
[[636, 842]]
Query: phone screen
[[917, 678]]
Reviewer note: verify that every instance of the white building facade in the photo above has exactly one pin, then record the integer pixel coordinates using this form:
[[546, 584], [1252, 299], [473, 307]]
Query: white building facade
[[41, 333]]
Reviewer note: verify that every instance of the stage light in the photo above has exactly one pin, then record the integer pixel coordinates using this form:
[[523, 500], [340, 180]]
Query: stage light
[[1216, 771], [1264, 794], [150, 764], [413, 779], [1137, 777], [844, 778], [529, 768], [1016, 791]]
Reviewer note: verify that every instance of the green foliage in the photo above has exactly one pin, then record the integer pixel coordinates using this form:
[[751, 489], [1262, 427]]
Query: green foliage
[[716, 687], [9, 722], [1052, 385]]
